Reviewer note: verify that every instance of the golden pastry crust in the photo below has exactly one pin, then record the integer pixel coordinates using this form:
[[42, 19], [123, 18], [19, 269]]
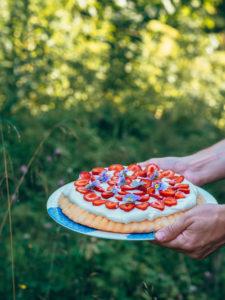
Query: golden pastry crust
[[81, 216]]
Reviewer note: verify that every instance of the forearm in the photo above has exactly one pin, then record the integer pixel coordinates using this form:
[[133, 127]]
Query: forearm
[[208, 164]]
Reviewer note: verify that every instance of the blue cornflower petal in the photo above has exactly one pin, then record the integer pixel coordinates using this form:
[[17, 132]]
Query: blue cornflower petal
[[137, 183], [131, 197], [92, 185]]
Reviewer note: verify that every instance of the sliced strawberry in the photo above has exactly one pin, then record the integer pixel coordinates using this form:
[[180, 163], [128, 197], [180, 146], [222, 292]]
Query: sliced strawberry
[[114, 177], [142, 206], [122, 192], [119, 197], [99, 189], [98, 202], [82, 190], [172, 182], [181, 186], [157, 204], [164, 173], [139, 193], [142, 173], [81, 182], [167, 193], [128, 180], [127, 206], [127, 187], [186, 191], [144, 198], [151, 168], [85, 175], [107, 195], [167, 173], [156, 196], [112, 182], [178, 179], [116, 173], [147, 183], [98, 170], [179, 195], [169, 201], [133, 176], [91, 196], [111, 205], [151, 190], [116, 167], [135, 168], [142, 188]]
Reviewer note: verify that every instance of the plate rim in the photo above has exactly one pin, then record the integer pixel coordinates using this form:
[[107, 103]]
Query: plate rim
[[52, 202]]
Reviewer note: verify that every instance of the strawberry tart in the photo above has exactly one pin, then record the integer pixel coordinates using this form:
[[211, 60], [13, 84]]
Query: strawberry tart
[[128, 199]]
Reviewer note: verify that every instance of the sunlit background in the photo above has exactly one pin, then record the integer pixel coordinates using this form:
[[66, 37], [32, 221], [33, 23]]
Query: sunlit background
[[88, 83]]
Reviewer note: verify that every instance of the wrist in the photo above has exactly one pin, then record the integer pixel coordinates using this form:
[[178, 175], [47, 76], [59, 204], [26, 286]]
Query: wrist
[[197, 167]]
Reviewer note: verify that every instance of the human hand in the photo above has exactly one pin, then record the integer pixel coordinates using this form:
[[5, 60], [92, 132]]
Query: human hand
[[181, 165], [200, 168], [199, 232]]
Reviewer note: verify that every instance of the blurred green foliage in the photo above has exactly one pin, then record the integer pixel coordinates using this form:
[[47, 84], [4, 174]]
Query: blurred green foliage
[[86, 83]]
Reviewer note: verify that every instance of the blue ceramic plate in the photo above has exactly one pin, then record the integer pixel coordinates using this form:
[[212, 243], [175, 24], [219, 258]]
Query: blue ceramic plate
[[56, 214]]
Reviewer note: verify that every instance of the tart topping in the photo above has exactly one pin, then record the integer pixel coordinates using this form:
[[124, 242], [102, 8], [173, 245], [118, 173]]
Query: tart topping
[[81, 182], [142, 206], [179, 195], [111, 205], [116, 167], [132, 187], [91, 196], [107, 195], [97, 171], [170, 201], [82, 190], [85, 175], [167, 193], [98, 202], [157, 204], [127, 206], [145, 198]]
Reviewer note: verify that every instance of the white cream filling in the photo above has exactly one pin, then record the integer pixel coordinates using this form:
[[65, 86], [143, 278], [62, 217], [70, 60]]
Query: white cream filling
[[135, 215]]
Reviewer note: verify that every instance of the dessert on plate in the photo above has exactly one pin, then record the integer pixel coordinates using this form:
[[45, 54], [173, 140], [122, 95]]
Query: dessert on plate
[[128, 199]]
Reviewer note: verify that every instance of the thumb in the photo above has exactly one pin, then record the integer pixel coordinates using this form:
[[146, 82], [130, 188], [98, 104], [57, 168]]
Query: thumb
[[171, 231]]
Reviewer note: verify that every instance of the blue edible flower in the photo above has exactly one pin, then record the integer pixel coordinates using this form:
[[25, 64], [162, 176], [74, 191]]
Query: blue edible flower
[[137, 183], [104, 177], [159, 186], [121, 180], [92, 185], [131, 198], [115, 190]]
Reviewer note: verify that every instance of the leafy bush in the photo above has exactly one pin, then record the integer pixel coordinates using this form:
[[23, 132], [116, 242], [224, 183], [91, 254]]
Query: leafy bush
[[86, 83]]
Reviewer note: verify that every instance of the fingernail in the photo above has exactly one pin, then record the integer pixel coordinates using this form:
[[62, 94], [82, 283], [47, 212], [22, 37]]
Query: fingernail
[[160, 235]]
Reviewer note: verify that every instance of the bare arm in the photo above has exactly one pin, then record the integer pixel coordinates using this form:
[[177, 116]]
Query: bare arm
[[201, 230], [205, 166]]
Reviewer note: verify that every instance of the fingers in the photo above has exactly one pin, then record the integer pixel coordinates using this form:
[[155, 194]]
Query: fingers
[[176, 244], [149, 161], [171, 232], [163, 162]]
